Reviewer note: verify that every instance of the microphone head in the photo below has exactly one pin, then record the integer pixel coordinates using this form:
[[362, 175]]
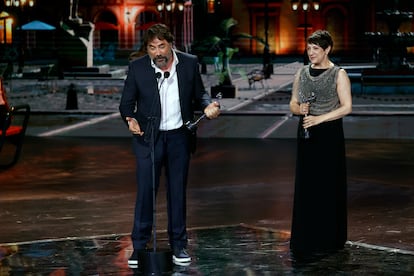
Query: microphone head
[[158, 75], [166, 74]]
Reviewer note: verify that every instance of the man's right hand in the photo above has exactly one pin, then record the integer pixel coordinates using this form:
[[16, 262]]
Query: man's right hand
[[134, 126]]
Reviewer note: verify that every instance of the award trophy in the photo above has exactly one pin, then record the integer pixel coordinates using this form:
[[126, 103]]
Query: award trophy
[[192, 126], [310, 99]]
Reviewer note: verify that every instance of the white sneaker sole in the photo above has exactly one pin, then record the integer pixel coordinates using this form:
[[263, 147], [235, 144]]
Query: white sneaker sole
[[181, 261], [132, 264]]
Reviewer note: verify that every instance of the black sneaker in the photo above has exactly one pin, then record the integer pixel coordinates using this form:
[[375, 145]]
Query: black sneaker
[[133, 260], [181, 257]]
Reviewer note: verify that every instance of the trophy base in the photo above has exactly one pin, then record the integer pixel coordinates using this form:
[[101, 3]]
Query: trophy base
[[304, 134]]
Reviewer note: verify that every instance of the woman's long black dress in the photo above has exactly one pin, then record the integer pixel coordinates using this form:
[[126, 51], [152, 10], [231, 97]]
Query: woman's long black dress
[[319, 222]]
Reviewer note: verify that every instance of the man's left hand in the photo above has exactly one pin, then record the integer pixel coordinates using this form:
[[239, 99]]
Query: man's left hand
[[212, 110]]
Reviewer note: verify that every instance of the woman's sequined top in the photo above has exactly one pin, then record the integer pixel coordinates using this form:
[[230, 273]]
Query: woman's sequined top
[[319, 89]]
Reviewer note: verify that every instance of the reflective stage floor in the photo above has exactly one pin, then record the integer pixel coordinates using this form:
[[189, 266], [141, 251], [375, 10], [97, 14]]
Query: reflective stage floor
[[66, 209], [227, 250]]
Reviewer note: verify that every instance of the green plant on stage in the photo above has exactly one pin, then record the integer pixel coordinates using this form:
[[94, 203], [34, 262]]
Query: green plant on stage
[[221, 45]]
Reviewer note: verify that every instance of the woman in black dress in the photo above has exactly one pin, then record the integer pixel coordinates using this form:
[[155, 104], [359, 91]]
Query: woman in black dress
[[321, 96]]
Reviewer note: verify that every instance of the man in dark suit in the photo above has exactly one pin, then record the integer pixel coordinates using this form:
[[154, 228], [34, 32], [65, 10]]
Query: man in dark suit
[[161, 91]]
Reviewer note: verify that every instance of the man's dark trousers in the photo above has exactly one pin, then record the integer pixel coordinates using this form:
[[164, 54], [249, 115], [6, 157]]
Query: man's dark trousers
[[172, 153]]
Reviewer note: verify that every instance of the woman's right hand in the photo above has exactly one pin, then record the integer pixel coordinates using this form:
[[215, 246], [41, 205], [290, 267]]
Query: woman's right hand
[[304, 108]]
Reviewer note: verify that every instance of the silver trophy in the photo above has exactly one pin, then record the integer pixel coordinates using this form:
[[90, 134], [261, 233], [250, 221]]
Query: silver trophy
[[192, 126], [310, 99]]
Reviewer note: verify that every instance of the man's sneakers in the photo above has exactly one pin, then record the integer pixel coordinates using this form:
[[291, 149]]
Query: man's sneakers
[[181, 257], [133, 260]]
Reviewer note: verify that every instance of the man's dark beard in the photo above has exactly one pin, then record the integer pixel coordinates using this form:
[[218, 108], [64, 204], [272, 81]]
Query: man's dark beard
[[160, 61]]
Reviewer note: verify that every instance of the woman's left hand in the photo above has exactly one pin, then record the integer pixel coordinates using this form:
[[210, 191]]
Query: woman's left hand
[[310, 121]]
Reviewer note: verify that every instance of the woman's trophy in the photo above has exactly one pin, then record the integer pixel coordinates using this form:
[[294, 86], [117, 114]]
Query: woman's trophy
[[310, 99]]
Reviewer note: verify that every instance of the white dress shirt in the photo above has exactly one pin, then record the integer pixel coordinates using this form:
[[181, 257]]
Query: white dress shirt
[[170, 99]]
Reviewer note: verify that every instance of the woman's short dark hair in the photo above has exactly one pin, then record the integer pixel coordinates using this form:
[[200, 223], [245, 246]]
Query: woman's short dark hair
[[322, 38], [160, 31]]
